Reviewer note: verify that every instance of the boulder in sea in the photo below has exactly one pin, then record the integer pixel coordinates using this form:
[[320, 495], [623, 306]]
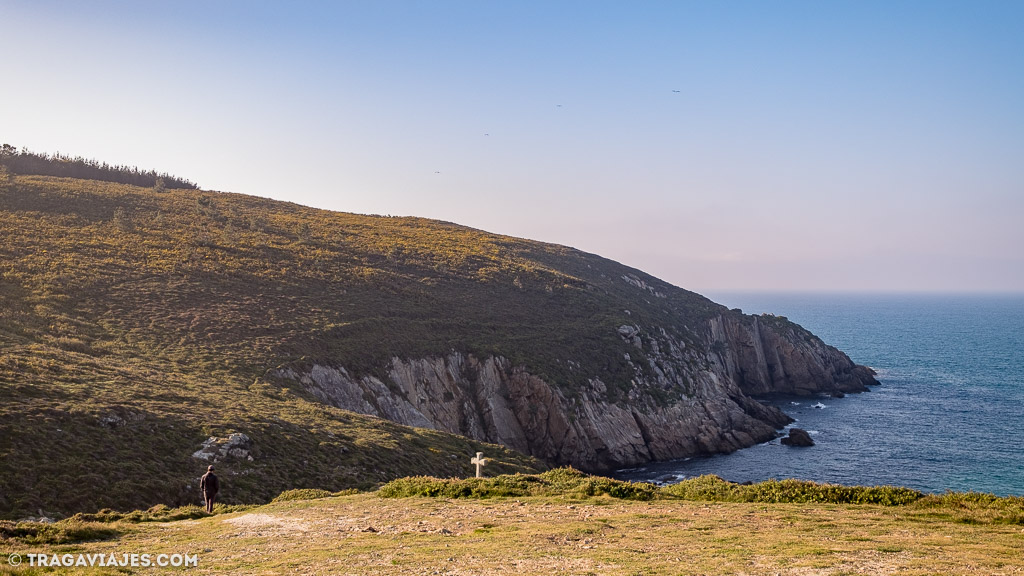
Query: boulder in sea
[[798, 437]]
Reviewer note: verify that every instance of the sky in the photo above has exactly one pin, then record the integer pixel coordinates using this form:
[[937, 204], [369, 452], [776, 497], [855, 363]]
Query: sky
[[721, 146]]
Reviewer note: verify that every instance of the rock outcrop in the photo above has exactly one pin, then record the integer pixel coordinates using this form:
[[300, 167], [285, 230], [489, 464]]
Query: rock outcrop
[[236, 446], [797, 437], [768, 354], [683, 401]]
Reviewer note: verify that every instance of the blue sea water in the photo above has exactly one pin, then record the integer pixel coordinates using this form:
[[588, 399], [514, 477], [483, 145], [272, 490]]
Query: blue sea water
[[948, 415]]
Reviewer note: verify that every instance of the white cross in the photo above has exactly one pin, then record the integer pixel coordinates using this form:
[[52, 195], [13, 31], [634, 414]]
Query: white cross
[[479, 460]]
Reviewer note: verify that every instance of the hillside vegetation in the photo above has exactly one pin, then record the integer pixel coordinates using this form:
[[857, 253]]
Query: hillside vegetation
[[136, 322]]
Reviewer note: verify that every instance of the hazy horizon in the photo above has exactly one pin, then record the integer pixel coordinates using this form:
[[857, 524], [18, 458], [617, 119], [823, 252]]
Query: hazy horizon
[[723, 147]]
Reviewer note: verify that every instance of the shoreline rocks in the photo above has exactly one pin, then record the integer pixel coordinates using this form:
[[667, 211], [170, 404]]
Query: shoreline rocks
[[798, 437]]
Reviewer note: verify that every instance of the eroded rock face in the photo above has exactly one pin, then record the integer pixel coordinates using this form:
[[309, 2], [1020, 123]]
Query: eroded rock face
[[492, 401], [703, 405], [766, 354]]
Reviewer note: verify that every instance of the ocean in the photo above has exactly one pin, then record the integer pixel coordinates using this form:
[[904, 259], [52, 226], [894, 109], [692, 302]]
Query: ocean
[[948, 415]]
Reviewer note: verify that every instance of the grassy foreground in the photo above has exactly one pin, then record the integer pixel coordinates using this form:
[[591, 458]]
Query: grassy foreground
[[562, 530]]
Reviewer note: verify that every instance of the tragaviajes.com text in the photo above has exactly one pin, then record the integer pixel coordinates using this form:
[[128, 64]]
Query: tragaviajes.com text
[[108, 560]]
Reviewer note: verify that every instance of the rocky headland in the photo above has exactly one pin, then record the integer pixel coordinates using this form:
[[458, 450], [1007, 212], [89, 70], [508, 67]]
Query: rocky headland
[[682, 401]]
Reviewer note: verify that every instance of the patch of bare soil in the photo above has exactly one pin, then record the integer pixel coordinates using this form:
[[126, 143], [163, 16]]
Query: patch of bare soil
[[266, 525]]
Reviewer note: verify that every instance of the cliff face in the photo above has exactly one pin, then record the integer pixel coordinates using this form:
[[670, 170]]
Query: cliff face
[[683, 401], [768, 354]]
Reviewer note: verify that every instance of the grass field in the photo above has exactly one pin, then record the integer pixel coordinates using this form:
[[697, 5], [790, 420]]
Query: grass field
[[566, 533]]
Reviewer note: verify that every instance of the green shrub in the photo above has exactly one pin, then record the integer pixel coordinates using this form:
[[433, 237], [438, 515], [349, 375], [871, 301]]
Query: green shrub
[[563, 477], [558, 482], [975, 507], [571, 482], [63, 532], [158, 513], [703, 488], [347, 492], [302, 494], [799, 491], [448, 488], [713, 488]]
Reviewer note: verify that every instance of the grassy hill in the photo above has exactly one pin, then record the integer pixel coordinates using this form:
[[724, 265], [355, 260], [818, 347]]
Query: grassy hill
[[137, 322]]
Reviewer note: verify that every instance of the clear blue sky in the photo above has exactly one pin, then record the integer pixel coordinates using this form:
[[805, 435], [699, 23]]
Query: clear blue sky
[[718, 145]]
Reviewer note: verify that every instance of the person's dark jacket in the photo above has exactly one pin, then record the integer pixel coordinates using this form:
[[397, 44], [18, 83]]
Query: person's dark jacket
[[209, 484]]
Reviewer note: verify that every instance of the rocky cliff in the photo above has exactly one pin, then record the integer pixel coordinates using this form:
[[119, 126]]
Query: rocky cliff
[[683, 400], [768, 354]]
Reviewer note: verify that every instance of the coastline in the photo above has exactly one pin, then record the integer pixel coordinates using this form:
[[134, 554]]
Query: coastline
[[942, 419]]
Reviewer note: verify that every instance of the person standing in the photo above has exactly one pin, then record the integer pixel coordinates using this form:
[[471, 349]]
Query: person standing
[[210, 486]]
